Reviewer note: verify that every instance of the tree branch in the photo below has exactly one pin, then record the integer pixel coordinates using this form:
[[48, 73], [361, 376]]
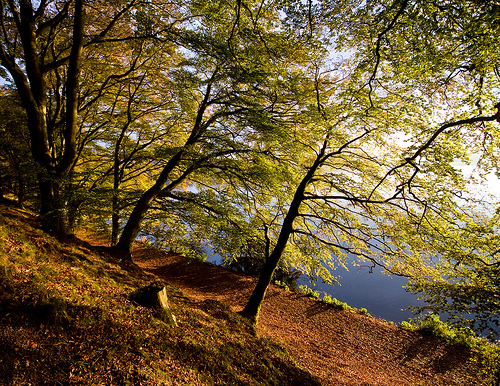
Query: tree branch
[[70, 131], [378, 46], [425, 146]]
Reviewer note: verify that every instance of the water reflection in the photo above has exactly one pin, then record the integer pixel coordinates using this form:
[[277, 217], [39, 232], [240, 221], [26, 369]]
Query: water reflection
[[367, 287]]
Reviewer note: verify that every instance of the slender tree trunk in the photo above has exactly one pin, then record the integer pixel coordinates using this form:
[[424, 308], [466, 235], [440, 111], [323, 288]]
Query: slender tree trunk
[[252, 308], [2, 179], [133, 225], [117, 176], [115, 220], [72, 88], [21, 190]]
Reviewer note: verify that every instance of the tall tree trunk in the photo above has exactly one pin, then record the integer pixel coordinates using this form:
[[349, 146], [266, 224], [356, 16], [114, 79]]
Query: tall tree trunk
[[115, 219], [53, 211], [21, 190], [117, 177], [252, 308]]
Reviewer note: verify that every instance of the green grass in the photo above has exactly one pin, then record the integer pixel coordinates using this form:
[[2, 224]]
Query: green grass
[[331, 301], [66, 318]]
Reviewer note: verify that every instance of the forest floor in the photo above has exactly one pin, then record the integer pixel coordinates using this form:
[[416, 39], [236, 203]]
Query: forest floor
[[66, 318], [339, 346]]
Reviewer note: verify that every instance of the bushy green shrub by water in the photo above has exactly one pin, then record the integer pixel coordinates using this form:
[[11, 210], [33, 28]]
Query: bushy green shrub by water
[[303, 289]]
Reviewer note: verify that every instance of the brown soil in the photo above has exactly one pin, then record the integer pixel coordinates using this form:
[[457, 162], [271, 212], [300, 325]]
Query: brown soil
[[339, 346]]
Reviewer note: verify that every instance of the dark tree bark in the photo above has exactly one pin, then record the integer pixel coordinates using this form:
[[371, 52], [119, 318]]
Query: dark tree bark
[[252, 308], [115, 219], [31, 86], [52, 208]]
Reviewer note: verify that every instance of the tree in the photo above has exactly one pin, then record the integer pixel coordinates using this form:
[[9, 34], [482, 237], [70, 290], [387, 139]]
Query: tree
[[126, 160], [17, 167], [43, 47], [454, 49], [467, 284], [299, 133], [353, 196], [229, 63], [34, 31]]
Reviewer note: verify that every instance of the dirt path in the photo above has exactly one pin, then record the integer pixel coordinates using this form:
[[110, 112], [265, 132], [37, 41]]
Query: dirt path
[[341, 347]]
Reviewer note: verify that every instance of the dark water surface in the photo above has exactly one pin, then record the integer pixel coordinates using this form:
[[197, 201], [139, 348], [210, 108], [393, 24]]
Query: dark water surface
[[366, 287], [382, 295]]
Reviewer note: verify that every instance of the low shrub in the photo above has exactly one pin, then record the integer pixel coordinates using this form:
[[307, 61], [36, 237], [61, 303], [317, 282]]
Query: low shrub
[[282, 285], [408, 326], [364, 311], [303, 289], [336, 303]]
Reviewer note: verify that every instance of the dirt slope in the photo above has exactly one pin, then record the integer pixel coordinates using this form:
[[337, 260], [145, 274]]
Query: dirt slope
[[341, 347]]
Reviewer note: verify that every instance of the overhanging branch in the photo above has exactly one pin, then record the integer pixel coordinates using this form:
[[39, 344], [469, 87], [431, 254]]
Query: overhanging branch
[[411, 160]]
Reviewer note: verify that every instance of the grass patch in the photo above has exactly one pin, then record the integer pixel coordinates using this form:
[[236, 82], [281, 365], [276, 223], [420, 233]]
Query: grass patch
[[303, 289], [309, 292]]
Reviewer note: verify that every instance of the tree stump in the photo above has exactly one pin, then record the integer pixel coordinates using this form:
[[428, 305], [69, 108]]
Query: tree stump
[[154, 296]]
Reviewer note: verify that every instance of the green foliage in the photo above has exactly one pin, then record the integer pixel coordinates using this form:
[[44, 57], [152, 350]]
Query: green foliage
[[408, 326], [431, 325], [282, 285], [364, 311], [467, 281], [18, 170], [303, 289], [336, 303], [233, 127]]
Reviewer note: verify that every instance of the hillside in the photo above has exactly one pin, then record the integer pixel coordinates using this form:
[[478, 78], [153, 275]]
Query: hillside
[[65, 318]]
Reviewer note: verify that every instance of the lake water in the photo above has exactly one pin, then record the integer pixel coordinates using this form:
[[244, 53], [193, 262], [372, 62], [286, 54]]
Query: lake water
[[366, 287], [382, 295]]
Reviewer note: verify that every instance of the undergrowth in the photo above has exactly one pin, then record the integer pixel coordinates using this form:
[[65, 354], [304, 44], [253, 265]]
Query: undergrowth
[[431, 325], [66, 319], [303, 289]]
